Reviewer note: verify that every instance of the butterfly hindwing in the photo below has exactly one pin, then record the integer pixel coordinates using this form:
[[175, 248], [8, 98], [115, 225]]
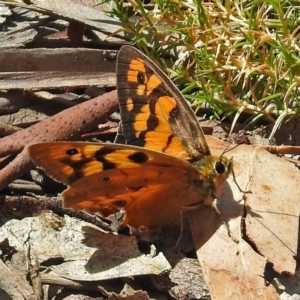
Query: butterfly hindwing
[[154, 113]]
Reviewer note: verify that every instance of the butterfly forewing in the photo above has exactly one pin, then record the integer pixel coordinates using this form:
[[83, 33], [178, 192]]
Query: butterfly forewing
[[107, 177], [71, 161], [154, 114]]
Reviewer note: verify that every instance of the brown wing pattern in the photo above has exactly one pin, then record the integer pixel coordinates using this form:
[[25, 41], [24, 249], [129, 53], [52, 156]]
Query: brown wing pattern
[[154, 113]]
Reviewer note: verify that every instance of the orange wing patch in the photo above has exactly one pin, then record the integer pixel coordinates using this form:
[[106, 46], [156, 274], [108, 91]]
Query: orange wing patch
[[137, 73], [146, 107]]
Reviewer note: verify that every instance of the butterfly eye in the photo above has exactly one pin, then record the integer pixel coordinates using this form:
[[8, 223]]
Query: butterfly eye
[[120, 203], [220, 168], [106, 179], [72, 151]]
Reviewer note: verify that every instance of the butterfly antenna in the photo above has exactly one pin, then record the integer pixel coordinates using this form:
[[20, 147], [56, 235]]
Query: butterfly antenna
[[227, 150]]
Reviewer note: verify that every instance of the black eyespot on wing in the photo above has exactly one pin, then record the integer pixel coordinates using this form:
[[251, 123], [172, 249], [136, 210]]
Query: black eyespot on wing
[[106, 179], [141, 78], [138, 157], [120, 203], [72, 151], [220, 168]]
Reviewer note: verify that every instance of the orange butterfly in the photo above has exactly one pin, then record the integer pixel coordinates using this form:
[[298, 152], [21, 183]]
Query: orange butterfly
[[164, 167]]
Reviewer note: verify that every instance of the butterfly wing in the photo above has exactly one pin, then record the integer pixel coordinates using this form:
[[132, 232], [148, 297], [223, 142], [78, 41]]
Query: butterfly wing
[[108, 177], [151, 197], [152, 187], [154, 113]]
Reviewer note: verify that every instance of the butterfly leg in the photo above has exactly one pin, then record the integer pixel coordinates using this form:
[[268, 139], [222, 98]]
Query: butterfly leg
[[235, 181], [225, 222]]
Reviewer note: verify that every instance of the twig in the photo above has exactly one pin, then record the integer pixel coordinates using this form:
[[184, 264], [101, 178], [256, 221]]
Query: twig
[[69, 124]]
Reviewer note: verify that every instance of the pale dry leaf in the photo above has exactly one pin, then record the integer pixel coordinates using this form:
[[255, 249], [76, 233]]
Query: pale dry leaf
[[128, 293], [83, 251], [90, 16], [9, 280], [263, 227]]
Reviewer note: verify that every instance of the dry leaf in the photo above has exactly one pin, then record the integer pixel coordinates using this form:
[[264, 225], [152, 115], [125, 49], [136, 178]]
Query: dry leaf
[[83, 252], [263, 227], [128, 293], [68, 9]]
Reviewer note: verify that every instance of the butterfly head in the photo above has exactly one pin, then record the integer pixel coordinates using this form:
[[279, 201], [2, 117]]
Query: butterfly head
[[212, 166], [214, 170], [222, 166]]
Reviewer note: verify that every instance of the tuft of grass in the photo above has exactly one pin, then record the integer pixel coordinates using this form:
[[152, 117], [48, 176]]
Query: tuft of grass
[[238, 56]]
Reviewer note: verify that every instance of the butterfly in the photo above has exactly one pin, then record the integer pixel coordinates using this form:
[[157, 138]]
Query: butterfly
[[164, 167]]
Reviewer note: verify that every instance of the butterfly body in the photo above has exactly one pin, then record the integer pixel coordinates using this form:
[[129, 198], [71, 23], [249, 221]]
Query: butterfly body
[[165, 167]]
